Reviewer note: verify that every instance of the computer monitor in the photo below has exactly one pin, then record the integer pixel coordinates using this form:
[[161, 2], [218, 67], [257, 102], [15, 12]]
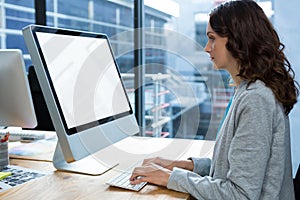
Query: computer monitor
[[84, 93], [16, 107]]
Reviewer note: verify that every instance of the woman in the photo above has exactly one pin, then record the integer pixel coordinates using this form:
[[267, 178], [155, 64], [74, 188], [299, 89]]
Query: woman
[[252, 155]]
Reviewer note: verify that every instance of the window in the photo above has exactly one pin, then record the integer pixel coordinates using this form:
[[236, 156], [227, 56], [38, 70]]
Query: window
[[180, 83], [15, 15], [183, 91]]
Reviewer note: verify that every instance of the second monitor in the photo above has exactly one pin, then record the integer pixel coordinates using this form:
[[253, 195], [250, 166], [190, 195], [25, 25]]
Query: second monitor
[[84, 93]]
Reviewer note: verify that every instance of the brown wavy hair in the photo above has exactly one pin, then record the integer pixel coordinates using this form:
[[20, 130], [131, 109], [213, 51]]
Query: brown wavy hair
[[253, 41]]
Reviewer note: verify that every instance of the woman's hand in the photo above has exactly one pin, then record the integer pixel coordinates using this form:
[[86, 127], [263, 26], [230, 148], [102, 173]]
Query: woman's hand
[[165, 163], [170, 164], [151, 173], [157, 170]]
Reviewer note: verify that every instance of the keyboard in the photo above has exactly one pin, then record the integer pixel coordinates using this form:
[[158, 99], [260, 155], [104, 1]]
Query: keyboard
[[23, 135], [122, 181], [19, 176]]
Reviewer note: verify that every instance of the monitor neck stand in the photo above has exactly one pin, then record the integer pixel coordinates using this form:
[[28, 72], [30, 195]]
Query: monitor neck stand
[[88, 165]]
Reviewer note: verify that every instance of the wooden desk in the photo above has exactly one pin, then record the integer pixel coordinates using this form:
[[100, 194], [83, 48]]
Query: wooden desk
[[64, 185]]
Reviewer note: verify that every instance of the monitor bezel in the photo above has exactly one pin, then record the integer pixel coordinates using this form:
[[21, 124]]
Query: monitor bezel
[[60, 31]]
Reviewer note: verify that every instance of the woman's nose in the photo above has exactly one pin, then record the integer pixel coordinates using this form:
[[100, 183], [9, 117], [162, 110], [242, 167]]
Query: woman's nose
[[207, 47]]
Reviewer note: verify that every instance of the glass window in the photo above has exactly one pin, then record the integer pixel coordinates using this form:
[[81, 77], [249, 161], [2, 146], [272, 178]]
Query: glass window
[[181, 84], [23, 3], [50, 5], [16, 42], [17, 19], [185, 96], [50, 20], [180, 81], [126, 15], [106, 11], [17, 14], [78, 8], [200, 28], [73, 24]]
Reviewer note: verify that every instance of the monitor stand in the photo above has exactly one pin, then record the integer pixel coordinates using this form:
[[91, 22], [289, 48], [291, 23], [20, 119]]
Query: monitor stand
[[88, 165]]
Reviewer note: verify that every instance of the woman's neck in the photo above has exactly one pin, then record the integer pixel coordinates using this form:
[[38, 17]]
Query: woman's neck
[[237, 80], [233, 71]]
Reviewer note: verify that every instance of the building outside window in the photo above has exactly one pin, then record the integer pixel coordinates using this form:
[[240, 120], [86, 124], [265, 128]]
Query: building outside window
[[15, 15], [184, 96]]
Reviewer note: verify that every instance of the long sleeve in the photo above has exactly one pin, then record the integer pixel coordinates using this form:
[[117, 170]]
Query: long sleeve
[[201, 165], [250, 155], [200, 187]]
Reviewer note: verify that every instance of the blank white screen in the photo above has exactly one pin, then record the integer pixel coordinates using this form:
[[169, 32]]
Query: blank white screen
[[84, 76]]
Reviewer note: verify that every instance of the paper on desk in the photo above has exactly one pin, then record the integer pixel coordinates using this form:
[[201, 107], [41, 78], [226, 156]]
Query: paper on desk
[[36, 150]]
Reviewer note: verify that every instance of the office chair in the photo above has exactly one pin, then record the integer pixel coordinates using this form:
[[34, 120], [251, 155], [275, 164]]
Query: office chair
[[297, 184]]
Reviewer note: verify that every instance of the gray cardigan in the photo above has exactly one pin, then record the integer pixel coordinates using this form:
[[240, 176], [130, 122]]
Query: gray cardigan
[[252, 155]]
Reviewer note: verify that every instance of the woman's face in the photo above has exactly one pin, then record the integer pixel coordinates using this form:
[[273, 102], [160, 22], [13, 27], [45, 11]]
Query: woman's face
[[216, 47]]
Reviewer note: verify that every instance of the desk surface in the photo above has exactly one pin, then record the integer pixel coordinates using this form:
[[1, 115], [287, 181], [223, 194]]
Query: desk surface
[[64, 185]]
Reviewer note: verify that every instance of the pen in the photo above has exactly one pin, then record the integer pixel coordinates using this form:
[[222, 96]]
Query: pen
[[5, 138]]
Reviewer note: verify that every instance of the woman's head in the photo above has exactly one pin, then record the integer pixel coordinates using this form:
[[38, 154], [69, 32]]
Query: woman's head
[[253, 42], [219, 54], [247, 28]]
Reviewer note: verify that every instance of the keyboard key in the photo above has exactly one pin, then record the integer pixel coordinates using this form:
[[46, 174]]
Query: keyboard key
[[19, 176], [122, 181]]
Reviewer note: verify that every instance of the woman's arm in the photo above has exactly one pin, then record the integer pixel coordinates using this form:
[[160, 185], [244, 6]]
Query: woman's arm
[[170, 164], [248, 154], [157, 170], [247, 158]]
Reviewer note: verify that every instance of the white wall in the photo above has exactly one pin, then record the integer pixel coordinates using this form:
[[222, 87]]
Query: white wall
[[287, 23]]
